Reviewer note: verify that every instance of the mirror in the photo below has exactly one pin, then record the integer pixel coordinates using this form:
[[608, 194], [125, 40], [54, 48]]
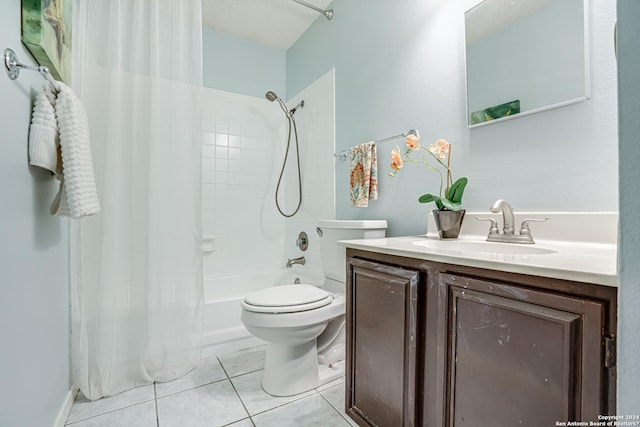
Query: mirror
[[524, 56]]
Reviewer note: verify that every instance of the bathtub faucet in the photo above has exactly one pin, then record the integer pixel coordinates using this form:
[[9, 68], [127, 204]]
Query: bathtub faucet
[[291, 262]]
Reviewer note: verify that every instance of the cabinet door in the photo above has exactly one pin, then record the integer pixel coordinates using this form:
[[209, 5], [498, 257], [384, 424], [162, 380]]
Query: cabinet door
[[519, 357], [381, 344]]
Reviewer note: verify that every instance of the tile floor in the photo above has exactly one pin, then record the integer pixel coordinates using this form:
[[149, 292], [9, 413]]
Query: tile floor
[[220, 391]]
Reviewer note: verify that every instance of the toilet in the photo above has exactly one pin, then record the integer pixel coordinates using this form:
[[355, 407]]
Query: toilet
[[304, 325]]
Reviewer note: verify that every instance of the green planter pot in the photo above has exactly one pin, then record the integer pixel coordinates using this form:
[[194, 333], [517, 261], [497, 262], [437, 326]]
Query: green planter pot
[[448, 222]]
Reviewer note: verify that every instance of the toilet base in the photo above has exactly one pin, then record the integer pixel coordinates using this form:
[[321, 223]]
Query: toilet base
[[294, 369]]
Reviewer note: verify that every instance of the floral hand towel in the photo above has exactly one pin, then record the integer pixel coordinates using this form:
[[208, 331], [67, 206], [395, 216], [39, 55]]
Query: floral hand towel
[[364, 174]]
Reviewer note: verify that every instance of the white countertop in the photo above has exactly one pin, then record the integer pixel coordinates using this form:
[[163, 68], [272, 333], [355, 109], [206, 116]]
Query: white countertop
[[582, 262]]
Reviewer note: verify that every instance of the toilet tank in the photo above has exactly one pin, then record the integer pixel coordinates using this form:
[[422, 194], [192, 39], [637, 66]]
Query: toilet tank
[[333, 256]]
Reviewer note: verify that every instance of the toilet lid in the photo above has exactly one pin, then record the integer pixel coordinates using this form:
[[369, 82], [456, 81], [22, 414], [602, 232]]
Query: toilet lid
[[287, 299]]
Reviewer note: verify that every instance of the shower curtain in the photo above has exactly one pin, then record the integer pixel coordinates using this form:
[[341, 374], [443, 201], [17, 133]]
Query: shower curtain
[[136, 269]]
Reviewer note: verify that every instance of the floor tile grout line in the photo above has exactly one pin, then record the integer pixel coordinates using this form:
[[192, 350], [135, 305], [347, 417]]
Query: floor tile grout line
[[235, 390], [318, 389], [240, 399], [233, 422], [223, 368], [287, 403], [339, 411], [110, 411], [245, 373], [191, 388], [266, 410], [242, 373], [308, 394], [155, 402]]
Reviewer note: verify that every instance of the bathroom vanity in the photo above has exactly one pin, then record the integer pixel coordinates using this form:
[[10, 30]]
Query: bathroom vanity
[[466, 333]]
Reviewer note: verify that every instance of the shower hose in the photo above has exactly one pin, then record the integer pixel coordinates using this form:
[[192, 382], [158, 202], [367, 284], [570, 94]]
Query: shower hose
[[292, 124]]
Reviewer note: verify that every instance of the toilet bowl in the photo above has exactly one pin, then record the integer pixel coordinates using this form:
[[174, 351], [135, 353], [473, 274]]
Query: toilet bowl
[[304, 325], [291, 327]]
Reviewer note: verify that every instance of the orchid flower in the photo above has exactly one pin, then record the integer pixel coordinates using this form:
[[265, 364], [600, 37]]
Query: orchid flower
[[440, 151]]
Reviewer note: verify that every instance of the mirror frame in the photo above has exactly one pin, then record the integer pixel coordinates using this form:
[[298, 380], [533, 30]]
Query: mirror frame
[[587, 75]]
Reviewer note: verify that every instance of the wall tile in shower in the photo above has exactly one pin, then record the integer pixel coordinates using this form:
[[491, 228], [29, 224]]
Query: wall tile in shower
[[208, 151], [316, 134], [222, 152], [235, 141], [208, 164], [209, 138], [222, 139], [238, 211]]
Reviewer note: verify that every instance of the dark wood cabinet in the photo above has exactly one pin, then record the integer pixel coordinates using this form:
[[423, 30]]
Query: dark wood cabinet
[[433, 344], [381, 315], [519, 356]]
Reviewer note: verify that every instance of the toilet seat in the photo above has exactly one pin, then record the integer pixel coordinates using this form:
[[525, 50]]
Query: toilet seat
[[287, 299]]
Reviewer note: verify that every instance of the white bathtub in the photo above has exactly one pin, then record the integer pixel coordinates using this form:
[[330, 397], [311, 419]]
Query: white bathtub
[[223, 330]]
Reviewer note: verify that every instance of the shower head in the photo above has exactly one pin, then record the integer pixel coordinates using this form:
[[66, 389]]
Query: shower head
[[271, 96]]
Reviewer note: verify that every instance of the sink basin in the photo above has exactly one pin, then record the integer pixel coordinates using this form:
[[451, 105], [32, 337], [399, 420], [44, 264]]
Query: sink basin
[[483, 247]]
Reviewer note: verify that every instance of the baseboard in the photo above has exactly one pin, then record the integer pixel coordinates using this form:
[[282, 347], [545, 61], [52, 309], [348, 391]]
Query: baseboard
[[66, 408]]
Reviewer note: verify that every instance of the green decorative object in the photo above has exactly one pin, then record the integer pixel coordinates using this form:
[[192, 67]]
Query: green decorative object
[[46, 32], [495, 112]]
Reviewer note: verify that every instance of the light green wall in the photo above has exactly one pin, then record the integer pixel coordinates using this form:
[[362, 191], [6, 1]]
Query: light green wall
[[400, 65], [629, 187], [242, 66], [34, 276]]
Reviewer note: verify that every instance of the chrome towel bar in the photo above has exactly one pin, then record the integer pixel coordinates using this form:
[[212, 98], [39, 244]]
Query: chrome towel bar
[[342, 155]]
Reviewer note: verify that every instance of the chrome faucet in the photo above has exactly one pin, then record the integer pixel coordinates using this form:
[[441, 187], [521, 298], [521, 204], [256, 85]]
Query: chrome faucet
[[291, 262], [508, 229]]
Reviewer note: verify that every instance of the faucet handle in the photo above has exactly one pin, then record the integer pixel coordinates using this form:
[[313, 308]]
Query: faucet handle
[[493, 226], [524, 228]]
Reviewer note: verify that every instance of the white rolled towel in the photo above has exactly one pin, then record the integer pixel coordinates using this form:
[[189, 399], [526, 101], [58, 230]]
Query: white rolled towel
[[78, 195], [44, 145]]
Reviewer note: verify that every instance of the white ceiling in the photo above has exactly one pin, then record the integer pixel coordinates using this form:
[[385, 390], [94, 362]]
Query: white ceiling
[[275, 23]]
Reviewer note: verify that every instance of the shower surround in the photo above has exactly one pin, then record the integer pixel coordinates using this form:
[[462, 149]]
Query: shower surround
[[246, 241]]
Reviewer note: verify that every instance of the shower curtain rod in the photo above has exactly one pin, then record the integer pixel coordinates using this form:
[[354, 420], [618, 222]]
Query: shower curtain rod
[[328, 13], [342, 155], [13, 67]]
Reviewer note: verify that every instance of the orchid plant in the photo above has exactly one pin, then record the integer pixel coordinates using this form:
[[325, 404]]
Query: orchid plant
[[440, 152]]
